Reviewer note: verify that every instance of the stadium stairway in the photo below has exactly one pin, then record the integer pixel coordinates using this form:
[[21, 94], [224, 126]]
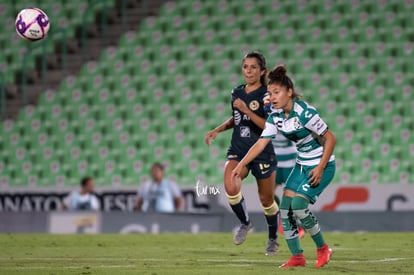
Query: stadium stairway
[[96, 41]]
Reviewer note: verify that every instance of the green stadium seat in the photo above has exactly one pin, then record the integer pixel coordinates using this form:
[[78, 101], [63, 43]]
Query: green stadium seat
[[159, 108]]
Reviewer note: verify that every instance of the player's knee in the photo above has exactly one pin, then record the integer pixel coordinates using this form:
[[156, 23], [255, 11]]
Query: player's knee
[[231, 188], [285, 206], [232, 191], [300, 207], [286, 203], [234, 199], [266, 199], [270, 210]]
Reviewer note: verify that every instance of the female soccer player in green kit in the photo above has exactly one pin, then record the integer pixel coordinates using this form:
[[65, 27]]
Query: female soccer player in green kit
[[315, 163]]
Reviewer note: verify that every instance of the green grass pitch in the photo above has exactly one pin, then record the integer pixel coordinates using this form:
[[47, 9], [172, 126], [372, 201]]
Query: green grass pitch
[[354, 253]]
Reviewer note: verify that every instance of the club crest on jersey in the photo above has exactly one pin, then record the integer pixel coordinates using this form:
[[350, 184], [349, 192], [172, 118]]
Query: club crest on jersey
[[254, 105], [296, 123], [244, 131]]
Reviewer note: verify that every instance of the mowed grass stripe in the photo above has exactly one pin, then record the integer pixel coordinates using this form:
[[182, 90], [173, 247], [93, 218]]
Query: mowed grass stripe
[[200, 260], [367, 253]]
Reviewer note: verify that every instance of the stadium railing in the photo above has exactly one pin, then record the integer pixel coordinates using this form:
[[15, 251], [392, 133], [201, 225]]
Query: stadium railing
[[103, 24]]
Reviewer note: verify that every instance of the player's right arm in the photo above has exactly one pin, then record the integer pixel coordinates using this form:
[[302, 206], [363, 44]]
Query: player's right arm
[[67, 201], [268, 133], [226, 125], [138, 206], [254, 151]]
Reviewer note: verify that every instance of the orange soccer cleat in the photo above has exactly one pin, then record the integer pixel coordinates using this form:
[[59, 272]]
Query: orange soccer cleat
[[301, 232], [295, 260], [324, 255]]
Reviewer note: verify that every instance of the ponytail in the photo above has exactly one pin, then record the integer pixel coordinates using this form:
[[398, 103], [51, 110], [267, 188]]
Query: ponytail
[[278, 76]]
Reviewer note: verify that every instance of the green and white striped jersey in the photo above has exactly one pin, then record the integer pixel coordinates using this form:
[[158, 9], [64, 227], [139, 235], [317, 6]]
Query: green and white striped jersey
[[300, 127], [285, 151]]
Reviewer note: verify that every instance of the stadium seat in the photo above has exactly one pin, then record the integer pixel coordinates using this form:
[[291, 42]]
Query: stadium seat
[[60, 12], [120, 114]]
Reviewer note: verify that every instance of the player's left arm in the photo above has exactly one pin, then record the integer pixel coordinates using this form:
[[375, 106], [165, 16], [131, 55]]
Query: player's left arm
[[178, 202], [258, 120], [328, 148], [314, 123], [95, 205], [142, 193], [177, 195]]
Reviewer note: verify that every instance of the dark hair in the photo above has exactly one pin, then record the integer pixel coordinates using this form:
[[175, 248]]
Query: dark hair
[[278, 76], [158, 165], [84, 181], [262, 63]]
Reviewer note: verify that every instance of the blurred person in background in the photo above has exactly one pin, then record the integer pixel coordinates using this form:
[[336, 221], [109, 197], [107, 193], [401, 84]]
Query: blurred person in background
[[85, 199], [159, 194]]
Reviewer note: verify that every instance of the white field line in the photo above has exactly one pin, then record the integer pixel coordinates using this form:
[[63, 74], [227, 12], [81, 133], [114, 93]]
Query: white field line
[[66, 259], [66, 267], [333, 260], [228, 262], [375, 261], [235, 261]]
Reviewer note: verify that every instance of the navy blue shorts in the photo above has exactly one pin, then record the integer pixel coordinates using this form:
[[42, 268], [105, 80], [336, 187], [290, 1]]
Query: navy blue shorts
[[261, 167]]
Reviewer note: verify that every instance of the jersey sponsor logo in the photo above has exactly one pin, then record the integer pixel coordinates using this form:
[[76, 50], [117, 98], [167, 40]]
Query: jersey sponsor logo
[[254, 105], [246, 117], [319, 127], [232, 156], [244, 131], [237, 117], [316, 122], [279, 124], [306, 187], [308, 114], [306, 148]]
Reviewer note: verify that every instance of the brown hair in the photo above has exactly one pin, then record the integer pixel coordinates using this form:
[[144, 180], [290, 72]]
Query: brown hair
[[262, 63], [85, 181], [158, 165], [278, 76]]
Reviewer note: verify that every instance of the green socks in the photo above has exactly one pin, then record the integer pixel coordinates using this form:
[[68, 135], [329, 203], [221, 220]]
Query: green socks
[[289, 226], [309, 222]]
